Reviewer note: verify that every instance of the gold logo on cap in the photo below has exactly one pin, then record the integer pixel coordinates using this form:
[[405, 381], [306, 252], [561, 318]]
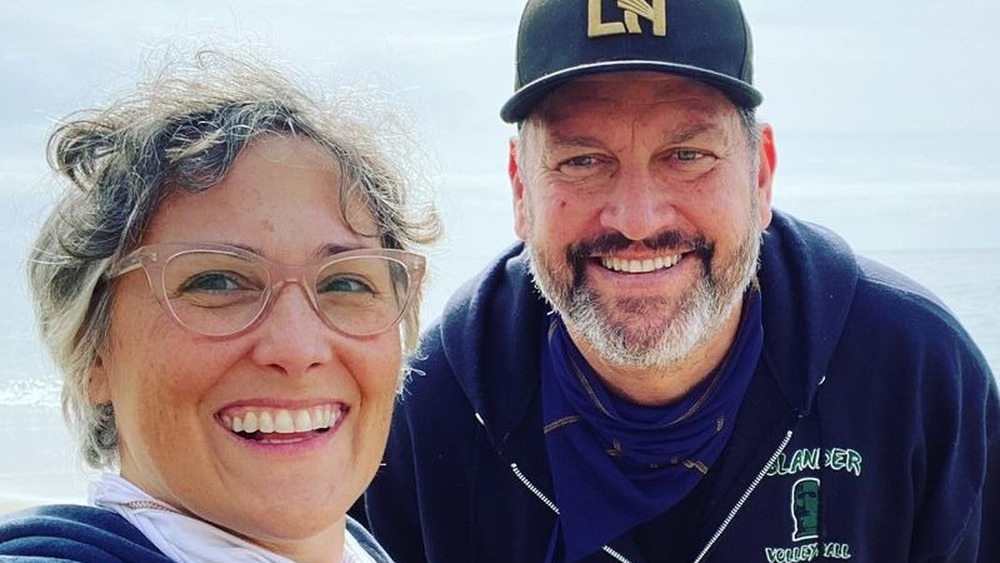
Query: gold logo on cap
[[633, 9]]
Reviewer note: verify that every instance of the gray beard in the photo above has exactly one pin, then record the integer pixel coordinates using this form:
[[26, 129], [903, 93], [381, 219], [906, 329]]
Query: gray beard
[[634, 333]]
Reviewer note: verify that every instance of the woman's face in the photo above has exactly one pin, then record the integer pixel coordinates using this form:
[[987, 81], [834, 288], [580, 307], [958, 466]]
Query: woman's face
[[175, 392]]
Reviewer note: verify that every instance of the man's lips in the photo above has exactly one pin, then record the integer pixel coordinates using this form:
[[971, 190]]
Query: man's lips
[[640, 266]]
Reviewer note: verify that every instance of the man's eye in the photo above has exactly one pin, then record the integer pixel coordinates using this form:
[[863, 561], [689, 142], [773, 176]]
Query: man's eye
[[581, 161], [688, 155], [582, 166]]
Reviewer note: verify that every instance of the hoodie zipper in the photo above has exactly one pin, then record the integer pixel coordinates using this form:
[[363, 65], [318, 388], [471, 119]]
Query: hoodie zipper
[[743, 499], [715, 537], [545, 500]]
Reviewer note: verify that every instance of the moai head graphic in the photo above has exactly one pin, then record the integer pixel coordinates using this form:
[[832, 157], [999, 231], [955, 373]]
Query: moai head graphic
[[805, 509]]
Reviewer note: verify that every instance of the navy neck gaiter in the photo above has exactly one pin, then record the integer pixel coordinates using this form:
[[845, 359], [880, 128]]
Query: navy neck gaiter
[[616, 464]]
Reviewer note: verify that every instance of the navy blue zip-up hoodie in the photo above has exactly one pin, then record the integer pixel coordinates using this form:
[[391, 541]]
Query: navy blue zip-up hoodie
[[83, 534], [870, 432], [69, 533]]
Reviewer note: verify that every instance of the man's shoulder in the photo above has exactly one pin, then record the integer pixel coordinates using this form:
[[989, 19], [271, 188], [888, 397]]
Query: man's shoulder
[[821, 257], [72, 533], [901, 311], [836, 303], [818, 263]]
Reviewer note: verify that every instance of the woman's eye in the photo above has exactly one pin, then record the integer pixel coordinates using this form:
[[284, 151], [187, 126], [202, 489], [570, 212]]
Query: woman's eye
[[344, 285], [213, 281]]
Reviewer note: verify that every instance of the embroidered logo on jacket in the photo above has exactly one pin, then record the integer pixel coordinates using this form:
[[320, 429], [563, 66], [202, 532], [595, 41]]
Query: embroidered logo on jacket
[[804, 502], [805, 509], [809, 459], [632, 11]]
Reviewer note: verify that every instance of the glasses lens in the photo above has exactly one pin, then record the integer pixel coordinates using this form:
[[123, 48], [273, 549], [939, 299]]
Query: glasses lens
[[363, 295], [214, 293]]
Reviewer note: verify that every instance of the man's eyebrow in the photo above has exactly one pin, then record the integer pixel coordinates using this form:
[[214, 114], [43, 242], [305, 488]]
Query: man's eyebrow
[[562, 140], [680, 135], [691, 131]]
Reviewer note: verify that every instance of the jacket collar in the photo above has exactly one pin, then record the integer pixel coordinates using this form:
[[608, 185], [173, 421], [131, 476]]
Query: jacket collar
[[808, 277], [491, 334]]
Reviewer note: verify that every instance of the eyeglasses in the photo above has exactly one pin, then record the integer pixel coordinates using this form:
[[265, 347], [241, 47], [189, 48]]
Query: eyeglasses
[[221, 290]]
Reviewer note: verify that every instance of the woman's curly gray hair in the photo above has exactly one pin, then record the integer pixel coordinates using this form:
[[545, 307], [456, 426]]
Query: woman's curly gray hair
[[182, 130]]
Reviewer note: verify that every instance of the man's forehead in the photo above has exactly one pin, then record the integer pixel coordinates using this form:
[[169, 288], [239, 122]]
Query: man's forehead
[[622, 90]]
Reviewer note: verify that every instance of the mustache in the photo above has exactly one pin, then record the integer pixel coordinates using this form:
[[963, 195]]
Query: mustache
[[578, 253], [613, 242]]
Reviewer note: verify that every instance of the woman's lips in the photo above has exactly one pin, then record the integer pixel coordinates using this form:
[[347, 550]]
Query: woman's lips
[[260, 420]]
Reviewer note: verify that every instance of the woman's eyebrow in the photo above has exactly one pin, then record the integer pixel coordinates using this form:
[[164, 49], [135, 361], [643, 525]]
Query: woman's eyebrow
[[331, 249]]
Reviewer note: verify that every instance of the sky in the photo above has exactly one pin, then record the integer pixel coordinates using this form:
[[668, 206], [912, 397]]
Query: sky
[[850, 65]]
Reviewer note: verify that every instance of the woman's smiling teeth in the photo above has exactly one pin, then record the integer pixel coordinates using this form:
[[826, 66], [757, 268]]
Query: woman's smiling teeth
[[282, 421], [640, 266]]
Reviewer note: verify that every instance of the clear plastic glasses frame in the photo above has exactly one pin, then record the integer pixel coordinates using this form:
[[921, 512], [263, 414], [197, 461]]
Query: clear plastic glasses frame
[[223, 291]]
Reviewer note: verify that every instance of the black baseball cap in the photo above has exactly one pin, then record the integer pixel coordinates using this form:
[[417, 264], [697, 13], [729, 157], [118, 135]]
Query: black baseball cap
[[561, 40]]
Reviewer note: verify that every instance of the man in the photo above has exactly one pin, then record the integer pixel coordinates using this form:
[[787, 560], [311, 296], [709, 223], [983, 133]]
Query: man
[[667, 369]]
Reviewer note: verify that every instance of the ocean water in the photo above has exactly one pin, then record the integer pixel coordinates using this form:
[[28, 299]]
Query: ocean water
[[923, 204]]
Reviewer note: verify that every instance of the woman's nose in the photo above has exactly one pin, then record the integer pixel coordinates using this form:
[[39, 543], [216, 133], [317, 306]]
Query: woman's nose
[[292, 337]]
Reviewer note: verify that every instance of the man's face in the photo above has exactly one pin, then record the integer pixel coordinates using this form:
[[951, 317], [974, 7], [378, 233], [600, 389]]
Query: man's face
[[642, 205]]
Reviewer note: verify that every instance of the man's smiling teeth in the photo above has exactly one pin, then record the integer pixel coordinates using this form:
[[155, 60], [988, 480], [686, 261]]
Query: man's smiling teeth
[[639, 266], [283, 421]]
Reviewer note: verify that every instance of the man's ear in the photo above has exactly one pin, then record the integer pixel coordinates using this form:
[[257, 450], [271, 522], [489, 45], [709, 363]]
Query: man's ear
[[768, 159], [517, 189]]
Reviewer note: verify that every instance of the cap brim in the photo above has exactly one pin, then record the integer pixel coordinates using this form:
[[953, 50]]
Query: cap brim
[[519, 106]]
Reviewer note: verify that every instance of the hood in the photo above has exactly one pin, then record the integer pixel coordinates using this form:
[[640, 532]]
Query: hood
[[808, 277], [490, 332], [490, 329]]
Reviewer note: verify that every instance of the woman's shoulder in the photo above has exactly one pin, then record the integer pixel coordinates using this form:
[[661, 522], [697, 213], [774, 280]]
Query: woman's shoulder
[[366, 542], [68, 532]]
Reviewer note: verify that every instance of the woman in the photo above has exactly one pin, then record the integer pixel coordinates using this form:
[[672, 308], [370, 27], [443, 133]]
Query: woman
[[228, 292]]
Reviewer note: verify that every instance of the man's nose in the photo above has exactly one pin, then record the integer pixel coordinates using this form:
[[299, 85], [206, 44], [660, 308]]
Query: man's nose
[[637, 205]]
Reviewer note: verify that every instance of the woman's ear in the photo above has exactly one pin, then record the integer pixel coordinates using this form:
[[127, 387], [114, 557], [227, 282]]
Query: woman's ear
[[99, 388]]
